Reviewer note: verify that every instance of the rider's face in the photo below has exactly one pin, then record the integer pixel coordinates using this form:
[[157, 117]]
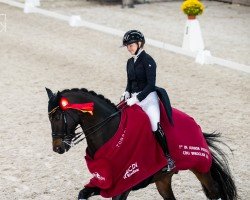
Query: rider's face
[[132, 48]]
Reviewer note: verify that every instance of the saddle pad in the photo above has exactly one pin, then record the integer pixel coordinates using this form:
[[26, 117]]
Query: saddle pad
[[133, 154]]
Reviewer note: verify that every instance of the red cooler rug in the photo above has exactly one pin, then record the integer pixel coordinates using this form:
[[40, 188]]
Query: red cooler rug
[[133, 154]]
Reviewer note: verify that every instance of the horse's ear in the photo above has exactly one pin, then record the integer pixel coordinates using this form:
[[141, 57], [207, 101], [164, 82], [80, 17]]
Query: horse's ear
[[58, 95], [49, 92]]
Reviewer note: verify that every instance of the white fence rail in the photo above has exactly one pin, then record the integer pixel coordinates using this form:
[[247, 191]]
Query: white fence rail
[[76, 21]]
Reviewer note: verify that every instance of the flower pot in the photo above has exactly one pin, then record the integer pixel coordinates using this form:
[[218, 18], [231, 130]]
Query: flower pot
[[191, 16]]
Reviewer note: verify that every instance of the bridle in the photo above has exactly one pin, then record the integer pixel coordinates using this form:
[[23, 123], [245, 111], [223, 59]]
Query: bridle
[[77, 138], [66, 137]]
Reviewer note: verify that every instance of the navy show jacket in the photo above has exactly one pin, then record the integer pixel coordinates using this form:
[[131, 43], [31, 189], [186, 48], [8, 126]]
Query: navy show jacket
[[141, 75]]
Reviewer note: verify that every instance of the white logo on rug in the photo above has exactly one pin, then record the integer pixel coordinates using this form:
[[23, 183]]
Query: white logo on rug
[[119, 143], [98, 176], [194, 151], [131, 170]]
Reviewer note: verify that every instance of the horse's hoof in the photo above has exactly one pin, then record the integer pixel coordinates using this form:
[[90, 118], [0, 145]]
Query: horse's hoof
[[85, 193]]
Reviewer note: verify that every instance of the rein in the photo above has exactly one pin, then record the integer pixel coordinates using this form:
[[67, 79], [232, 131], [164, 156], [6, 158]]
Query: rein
[[77, 138]]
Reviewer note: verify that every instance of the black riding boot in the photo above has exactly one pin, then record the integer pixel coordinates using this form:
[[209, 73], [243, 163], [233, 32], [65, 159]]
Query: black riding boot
[[161, 139]]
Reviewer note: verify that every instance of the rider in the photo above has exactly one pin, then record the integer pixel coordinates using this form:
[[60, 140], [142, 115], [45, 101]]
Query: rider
[[140, 90]]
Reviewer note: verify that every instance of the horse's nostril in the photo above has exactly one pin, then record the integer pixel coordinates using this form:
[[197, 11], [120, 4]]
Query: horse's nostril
[[56, 149], [59, 150]]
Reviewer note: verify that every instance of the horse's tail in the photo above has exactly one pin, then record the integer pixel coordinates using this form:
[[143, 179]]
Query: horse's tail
[[220, 170]]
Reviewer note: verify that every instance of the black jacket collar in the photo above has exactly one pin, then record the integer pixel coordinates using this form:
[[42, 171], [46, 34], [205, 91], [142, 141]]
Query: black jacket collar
[[142, 54]]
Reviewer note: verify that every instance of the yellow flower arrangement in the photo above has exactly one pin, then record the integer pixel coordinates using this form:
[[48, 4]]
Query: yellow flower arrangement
[[192, 7]]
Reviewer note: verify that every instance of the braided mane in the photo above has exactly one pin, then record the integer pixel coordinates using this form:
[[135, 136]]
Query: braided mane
[[92, 93]]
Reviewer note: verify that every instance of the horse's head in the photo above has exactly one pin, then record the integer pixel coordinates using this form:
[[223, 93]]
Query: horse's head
[[63, 122], [93, 112]]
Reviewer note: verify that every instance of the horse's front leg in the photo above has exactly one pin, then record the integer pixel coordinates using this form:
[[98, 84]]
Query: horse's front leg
[[122, 196], [87, 192]]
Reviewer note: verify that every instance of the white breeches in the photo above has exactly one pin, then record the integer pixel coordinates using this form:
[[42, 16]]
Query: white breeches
[[150, 105]]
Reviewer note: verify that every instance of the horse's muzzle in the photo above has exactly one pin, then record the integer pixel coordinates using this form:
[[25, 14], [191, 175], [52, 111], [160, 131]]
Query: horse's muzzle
[[58, 146], [59, 150]]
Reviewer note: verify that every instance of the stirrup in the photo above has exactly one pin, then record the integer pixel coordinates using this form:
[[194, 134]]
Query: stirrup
[[170, 166]]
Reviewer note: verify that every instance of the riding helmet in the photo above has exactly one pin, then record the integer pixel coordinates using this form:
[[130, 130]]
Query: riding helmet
[[133, 36]]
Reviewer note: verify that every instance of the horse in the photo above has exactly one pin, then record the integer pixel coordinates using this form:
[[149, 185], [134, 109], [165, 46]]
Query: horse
[[217, 183]]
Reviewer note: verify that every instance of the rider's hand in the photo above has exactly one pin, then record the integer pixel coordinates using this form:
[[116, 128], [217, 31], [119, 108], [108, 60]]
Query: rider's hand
[[125, 96], [133, 100]]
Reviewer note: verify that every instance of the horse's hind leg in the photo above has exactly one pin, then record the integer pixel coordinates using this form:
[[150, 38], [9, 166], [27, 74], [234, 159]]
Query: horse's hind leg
[[164, 186], [122, 196], [211, 188]]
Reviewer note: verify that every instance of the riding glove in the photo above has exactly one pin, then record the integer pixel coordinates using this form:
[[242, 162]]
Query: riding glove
[[125, 96], [131, 101]]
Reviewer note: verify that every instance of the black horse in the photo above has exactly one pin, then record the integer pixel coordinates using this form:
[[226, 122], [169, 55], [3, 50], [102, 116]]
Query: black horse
[[100, 127]]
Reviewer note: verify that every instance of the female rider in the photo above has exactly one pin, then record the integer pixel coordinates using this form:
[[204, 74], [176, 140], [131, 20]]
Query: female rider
[[140, 90]]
